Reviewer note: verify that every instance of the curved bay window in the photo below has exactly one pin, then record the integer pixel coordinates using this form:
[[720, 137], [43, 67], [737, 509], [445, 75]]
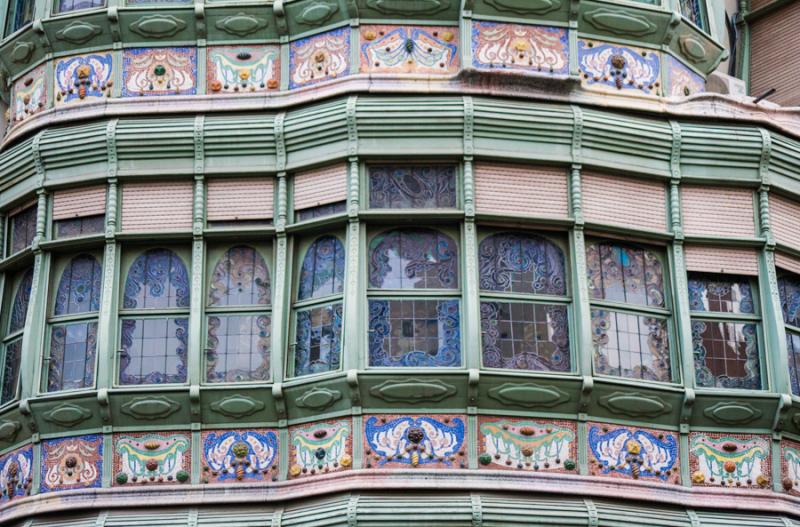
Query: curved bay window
[[12, 343], [155, 320], [524, 320], [414, 308], [789, 289], [318, 308], [725, 326], [73, 333], [238, 327], [629, 310]]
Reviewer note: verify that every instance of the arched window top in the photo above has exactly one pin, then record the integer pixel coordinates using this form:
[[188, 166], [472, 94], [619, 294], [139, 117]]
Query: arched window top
[[413, 259], [789, 289], [521, 263], [157, 279], [240, 278], [79, 288], [322, 273], [22, 298], [622, 273]]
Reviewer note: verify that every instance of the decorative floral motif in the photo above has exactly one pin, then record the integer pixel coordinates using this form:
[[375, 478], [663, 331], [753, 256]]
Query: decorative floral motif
[[79, 288], [19, 309], [29, 95], [238, 348], [239, 456], [413, 259], [636, 453], [739, 460], [409, 49], [412, 187], [623, 69], [72, 463], [433, 441], [240, 278], [159, 71], [320, 57], [319, 448], [790, 466], [83, 77], [152, 458], [682, 81], [726, 354], [73, 348], [521, 263], [720, 296], [243, 69], [157, 279], [16, 474], [624, 274], [153, 351], [318, 340], [322, 273], [628, 345], [518, 47], [527, 445]]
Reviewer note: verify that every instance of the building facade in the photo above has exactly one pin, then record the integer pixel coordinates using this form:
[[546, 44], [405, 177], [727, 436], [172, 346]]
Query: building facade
[[385, 262]]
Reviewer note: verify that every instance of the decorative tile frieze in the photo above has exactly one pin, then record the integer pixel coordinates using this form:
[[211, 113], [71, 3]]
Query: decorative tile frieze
[[243, 69], [29, 95], [409, 49], [403, 441], [682, 81], [320, 448], [152, 458], [16, 473], [520, 48], [83, 78], [319, 58], [734, 460], [633, 453], [527, 444], [239, 455], [619, 69], [159, 71], [72, 463], [790, 466]]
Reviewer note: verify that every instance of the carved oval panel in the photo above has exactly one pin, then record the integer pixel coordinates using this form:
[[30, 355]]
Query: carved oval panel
[[525, 7], [404, 7], [635, 404], [413, 390], [317, 13], [692, 48], [157, 26], [318, 398], [732, 413], [237, 406], [67, 414], [79, 32], [619, 22], [529, 395], [155, 407], [241, 24]]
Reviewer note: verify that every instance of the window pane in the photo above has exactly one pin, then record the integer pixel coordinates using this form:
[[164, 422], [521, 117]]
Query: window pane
[[318, 340], [789, 289], [625, 274], [79, 288], [416, 187], [19, 310], [238, 348], [74, 5], [80, 226], [413, 259], [793, 349], [153, 351], [720, 296], [13, 355], [522, 263], [414, 333], [240, 278], [525, 336], [20, 14], [156, 280], [692, 10], [321, 211], [322, 273], [23, 229], [631, 346], [726, 354], [72, 353]]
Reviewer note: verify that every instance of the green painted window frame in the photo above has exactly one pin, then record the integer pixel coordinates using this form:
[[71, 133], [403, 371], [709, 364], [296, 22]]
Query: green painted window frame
[[9, 294], [11, 10]]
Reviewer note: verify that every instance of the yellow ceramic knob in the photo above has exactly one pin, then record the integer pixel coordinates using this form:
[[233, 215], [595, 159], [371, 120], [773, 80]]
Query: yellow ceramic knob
[[295, 470], [369, 35], [346, 461], [762, 481], [447, 36], [698, 477], [633, 447]]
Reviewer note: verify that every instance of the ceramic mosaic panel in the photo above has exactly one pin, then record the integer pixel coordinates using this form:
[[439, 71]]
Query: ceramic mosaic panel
[[633, 453], [321, 447], [520, 48], [525, 444], [740, 460], [152, 458], [243, 69], [790, 466], [29, 95], [402, 441], [16, 473], [159, 71], [682, 81], [72, 463], [320, 57], [619, 69], [409, 49], [239, 455], [83, 78]]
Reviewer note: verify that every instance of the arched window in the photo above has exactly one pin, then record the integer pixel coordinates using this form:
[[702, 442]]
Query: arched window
[[630, 314], [155, 319], [524, 320], [73, 325], [318, 307], [789, 289], [405, 328], [238, 327], [12, 343]]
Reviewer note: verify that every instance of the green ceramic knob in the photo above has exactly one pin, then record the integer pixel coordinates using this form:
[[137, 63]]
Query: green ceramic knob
[[569, 464], [182, 476], [159, 70], [122, 478], [485, 459]]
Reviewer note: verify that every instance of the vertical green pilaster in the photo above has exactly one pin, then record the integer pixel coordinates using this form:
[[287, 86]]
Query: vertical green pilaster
[[106, 328], [196, 302], [280, 319], [465, 30], [285, 48], [572, 34], [353, 307], [35, 321]]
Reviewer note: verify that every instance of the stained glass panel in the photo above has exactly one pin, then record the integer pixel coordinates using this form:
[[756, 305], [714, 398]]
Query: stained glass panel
[[74, 5], [793, 349], [240, 278], [11, 362], [413, 259], [20, 14], [415, 333], [789, 290], [238, 348], [525, 336], [720, 296], [521, 263], [633, 346], [19, 309], [321, 211], [625, 274], [318, 340], [80, 287], [693, 10], [72, 356], [726, 354], [153, 350], [412, 187], [156, 280], [80, 226], [23, 229], [322, 273]]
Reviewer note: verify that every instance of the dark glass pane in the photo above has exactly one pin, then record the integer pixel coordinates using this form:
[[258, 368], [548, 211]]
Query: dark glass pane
[[720, 296], [415, 187], [20, 14], [630, 346], [80, 226], [424, 333], [692, 9], [156, 280], [525, 336], [153, 351], [12, 358], [789, 290], [413, 259], [624, 274], [23, 229], [521, 263], [726, 354], [321, 211], [80, 286], [239, 224], [322, 273], [793, 349], [19, 309], [72, 356], [318, 340], [240, 278], [74, 5], [238, 348]]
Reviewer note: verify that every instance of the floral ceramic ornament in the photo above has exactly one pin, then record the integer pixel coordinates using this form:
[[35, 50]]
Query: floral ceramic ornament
[[527, 445], [72, 462], [152, 458], [239, 456], [416, 440], [323, 447]]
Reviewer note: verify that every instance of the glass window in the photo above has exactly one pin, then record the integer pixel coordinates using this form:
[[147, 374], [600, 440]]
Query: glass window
[[318, 308], [789, 289], [321, 211], [65, 6], [725, 327], [630, 315], [412, 187], [20, 14], [79, 226], [524, 321], [12, 343], [239, 323], [407, 329], [23, 229], [693, 10], [155, 310]]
